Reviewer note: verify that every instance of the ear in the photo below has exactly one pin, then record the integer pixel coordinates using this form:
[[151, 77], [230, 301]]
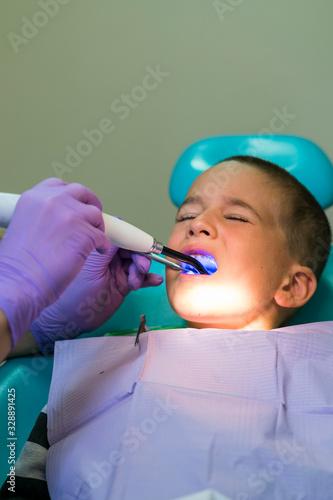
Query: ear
[[297, 287]]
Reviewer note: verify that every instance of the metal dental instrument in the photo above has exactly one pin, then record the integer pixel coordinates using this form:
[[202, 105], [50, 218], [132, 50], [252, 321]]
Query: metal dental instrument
[[162, 260], [142, 328], [120, 233]]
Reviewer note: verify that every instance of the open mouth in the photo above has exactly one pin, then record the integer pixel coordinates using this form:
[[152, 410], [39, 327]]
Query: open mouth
[[205, 259]]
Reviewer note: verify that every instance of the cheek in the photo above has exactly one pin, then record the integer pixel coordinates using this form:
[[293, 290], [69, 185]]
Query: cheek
[[171, 278], [266, 269], [171, 286], [173, 238], [250, 253]]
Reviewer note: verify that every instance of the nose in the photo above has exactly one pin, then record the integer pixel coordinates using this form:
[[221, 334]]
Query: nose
[[202, 225]]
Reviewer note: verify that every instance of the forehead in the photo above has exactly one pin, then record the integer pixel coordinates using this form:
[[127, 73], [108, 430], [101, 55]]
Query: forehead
[[237, 180], [230, 175]]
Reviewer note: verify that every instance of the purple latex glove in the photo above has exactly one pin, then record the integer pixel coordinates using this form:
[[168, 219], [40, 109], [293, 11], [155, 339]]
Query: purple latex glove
[[94, 295], [54, 229]]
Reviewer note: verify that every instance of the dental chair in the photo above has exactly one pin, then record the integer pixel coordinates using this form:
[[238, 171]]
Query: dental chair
[[30, 376]]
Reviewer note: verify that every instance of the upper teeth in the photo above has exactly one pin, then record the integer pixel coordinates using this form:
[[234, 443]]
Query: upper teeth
[[200, 258], [208, 261]]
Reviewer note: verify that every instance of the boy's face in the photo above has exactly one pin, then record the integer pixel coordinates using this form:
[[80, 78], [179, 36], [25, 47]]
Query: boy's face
[[230, 212]]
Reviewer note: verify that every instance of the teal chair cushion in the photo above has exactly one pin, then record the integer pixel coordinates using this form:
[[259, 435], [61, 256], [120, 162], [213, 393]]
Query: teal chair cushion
[[301, 157]]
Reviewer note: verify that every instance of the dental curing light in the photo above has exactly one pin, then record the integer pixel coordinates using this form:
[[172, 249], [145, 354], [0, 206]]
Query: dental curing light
[[120, 233]]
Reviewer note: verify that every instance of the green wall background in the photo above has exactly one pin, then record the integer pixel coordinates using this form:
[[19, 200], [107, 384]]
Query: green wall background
[[226, 66]]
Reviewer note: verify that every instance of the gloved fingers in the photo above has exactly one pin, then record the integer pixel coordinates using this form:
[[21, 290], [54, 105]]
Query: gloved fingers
[[108, 253], [142, 263], [113, 249], [152, 279], [137, 270], [45, 192], [125, 254], [135, 278], [111, 252], [83, 194], [97, 265], [83, 246], [52, 181], [138, 280], [101, 241], [38, 193], [92, 215]]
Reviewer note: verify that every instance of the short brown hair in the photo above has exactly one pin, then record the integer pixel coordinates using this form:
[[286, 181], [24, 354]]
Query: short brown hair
[[303, 220]]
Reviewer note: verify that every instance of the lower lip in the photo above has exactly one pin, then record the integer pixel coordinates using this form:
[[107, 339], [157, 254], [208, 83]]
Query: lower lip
[[192, 273], [185, 276]]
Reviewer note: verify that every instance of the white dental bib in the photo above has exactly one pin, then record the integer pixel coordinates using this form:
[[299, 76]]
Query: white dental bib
[[248, 414]]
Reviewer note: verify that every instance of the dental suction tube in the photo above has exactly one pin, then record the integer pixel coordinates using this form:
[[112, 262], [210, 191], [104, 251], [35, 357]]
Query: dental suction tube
[[120, 233]]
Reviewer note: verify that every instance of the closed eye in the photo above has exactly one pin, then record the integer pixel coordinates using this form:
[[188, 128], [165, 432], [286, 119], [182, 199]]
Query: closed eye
[[236, 217], [185, 217]]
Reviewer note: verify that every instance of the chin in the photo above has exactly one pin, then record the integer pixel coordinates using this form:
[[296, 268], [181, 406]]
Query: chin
[[203, 308], [208, 300], [207, 317]]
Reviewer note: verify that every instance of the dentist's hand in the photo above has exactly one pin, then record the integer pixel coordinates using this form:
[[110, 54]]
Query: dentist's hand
[[54, 229], [94, 295]]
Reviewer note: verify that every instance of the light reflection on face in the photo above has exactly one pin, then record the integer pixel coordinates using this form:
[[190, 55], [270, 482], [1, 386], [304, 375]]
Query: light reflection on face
[[229, 212]]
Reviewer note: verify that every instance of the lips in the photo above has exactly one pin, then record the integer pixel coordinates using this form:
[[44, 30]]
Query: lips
[[205, 258]]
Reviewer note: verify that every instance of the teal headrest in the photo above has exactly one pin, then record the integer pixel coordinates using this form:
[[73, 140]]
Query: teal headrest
[[301, 157], [319, 307]]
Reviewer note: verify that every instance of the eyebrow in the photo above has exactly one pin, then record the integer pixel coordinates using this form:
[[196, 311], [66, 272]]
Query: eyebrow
[[236, 202], [230, 201], [191, 200]]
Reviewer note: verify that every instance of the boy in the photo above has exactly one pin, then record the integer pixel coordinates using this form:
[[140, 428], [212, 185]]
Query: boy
[[263, 228], [228, 419]]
